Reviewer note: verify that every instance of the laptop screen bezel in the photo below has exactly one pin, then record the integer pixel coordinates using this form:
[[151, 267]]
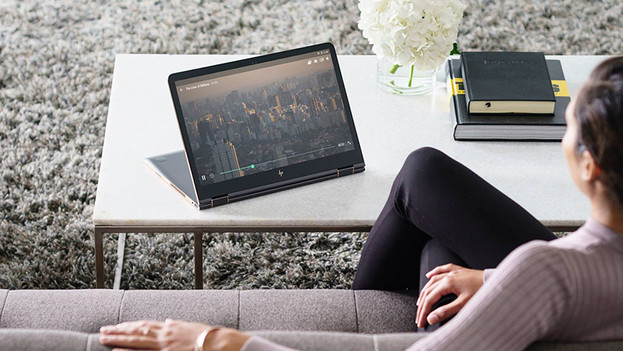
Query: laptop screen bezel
[[284, 174]]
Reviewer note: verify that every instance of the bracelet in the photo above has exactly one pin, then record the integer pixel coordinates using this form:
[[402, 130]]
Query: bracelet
[[201, 339]]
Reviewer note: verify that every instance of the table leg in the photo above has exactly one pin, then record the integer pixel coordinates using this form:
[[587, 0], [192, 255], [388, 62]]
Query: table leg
[[121, 251], [199, 271], [99, 260]]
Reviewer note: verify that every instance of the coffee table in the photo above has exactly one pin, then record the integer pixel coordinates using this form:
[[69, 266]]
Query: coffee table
[[141, 123]]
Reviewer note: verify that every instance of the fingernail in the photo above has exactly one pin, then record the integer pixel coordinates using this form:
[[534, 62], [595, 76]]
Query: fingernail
[[103, 339], [433, 318]]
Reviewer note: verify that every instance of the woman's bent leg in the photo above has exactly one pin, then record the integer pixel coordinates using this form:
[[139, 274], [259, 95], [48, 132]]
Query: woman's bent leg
[[436, 197], [390, 256]]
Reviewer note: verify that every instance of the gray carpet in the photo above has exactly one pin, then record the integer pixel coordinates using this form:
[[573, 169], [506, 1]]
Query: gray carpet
[[56, 65]]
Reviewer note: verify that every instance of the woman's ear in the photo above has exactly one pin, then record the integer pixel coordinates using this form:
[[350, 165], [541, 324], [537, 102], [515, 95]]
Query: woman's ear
[[589, 167]]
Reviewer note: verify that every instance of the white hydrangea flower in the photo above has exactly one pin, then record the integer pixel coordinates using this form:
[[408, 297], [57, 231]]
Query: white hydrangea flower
[[411, 32]]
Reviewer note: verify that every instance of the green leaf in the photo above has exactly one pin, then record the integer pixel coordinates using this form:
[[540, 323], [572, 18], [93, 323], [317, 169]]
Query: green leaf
[[455, 51]]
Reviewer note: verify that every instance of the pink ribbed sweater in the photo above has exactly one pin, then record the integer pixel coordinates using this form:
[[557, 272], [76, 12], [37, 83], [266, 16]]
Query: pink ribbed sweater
[[569, 289]]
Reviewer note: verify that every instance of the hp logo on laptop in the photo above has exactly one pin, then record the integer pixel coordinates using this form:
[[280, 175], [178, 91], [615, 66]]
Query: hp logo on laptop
[[280, 173]]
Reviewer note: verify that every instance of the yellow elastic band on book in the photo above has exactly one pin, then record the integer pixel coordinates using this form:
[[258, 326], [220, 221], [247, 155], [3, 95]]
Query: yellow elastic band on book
[[560, 87], [457, 86]]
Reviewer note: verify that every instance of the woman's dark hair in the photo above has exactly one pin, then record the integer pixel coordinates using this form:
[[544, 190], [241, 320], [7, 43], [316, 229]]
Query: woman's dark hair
[[598, 112]]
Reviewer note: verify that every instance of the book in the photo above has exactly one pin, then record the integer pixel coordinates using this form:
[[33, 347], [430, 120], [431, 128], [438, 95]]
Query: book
[[507, 82], [504, 126]]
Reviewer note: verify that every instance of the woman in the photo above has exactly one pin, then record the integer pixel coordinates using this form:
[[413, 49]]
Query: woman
[[568, 289]]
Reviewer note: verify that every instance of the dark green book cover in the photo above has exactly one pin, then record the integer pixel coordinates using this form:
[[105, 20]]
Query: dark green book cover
[[507, 82], [506, 126]]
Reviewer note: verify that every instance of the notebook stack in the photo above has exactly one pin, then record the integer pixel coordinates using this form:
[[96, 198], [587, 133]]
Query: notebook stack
[[507, 96]]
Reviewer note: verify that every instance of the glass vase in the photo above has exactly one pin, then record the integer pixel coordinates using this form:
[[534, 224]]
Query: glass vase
[[401, 80]]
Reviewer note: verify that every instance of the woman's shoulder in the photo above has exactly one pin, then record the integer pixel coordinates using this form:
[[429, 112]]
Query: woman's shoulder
[[565, 261], [535, 250], [538, 258], [581, 246], [591, 239]]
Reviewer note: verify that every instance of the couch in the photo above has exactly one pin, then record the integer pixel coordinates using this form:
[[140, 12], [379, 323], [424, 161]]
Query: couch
[[304, 319]]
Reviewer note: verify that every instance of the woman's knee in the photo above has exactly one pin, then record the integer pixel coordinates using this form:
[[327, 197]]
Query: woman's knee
[[425, 162]]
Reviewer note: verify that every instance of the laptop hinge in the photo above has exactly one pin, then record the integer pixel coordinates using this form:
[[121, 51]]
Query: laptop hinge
[[345, 171], [220, 200]]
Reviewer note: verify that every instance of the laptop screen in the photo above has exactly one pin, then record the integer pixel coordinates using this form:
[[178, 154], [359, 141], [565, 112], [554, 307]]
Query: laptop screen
[[264, 116]]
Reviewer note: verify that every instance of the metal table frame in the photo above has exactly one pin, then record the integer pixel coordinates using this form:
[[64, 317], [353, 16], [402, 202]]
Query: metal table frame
[[198, 231]]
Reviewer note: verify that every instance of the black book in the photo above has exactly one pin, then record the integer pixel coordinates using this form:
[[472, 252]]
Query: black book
[[505, 126], [507, 82]]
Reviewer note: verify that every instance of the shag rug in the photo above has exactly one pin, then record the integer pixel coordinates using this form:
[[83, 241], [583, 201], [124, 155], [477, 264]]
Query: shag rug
[[56, 67]]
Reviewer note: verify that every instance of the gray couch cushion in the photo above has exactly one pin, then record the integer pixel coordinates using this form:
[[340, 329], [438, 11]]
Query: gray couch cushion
[[44, 340], [76, 310], [385, 312], [319, 341], [215, 307], [329, 310]]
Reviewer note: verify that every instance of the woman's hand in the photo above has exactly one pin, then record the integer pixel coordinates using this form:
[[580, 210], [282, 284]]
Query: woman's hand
[[170, 335], [444, 280], [135, 335]]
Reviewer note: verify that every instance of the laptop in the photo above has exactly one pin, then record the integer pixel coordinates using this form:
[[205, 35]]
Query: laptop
[[260, 125]]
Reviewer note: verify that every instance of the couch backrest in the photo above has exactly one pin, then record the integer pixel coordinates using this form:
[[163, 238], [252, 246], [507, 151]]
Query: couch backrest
[[303, 310]]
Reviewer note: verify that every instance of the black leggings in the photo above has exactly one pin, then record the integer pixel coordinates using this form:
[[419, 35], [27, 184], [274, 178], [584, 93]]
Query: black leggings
[[440, 212]]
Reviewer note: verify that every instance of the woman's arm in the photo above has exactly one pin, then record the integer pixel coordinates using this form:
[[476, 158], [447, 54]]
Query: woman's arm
[[172, 335], [519, 304], [182, 336]]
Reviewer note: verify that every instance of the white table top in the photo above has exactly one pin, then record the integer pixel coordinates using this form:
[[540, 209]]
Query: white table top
[[141, 123]]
